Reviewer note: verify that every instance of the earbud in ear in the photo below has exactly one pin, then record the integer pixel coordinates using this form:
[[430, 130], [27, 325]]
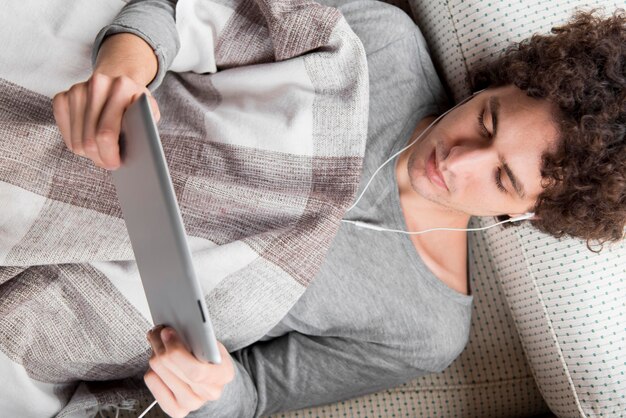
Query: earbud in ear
[[523, 217]]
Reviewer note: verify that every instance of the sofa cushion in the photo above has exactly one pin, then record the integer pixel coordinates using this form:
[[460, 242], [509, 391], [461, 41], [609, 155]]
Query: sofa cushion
[[569, 307], [568, 303], [464, 33]]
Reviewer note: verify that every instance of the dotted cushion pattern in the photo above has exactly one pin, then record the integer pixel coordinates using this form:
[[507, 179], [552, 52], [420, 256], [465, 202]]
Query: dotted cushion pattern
[[464, 33], [569, 306]]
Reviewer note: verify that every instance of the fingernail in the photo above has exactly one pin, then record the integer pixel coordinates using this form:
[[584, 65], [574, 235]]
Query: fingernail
[[166, 335], [154, 328]]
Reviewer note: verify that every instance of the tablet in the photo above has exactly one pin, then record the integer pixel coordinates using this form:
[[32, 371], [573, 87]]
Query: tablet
[[157, 234]]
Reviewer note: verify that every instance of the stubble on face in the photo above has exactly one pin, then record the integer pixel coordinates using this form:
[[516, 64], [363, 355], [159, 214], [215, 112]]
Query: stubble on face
[[416, 159]]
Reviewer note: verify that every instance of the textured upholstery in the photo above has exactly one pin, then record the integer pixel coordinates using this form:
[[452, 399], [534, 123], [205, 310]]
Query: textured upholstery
[[463, 33], [569, 306]]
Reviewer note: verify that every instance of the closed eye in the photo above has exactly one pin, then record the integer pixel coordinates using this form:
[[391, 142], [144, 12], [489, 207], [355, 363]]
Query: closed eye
[[498, 177], [481, 125], [485, 132]]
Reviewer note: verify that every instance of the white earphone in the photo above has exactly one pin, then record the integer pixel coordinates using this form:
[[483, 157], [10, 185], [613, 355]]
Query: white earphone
[[366, 225]]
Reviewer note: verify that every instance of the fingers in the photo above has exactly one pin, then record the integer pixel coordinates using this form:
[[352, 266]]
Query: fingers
[[198, 375], [188, 368], [190, 381], [110, 123], [182, 362], [89, 116], [162, 393], [97, 89], [227, 366], [185, 398], [171, 353], [77, 99], [155, 341], [175, 395], [61, 111], [155, 108]]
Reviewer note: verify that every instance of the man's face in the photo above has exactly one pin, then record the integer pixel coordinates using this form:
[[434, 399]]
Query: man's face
[[488, 153]]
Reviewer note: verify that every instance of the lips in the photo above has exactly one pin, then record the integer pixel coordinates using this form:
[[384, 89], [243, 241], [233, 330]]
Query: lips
[[433, 173]]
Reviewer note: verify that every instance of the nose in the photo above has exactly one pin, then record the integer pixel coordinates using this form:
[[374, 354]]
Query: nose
[[469, 160]]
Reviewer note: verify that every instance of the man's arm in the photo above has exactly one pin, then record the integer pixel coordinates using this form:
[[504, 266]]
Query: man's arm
[[296, 371], [278, 33], [89, 114], [133, 52], [152, 21], [124, 54]]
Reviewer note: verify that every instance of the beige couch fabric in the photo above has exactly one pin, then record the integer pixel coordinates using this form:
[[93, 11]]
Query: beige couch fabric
[[464, 33], [569, 306]]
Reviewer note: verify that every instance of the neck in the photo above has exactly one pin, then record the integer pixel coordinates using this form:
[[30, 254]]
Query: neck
[[419, 212]]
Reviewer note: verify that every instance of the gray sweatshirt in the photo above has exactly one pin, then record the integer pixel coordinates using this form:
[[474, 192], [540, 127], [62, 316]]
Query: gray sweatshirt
[[375, 316]]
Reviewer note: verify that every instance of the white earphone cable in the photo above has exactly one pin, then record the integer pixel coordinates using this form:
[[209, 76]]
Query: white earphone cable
[[147, 409], [398, 231]]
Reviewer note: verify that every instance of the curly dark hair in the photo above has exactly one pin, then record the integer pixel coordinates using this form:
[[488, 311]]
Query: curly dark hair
[[580, 68]]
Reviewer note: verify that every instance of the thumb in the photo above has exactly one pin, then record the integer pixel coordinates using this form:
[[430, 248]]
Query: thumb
[[155, 108]]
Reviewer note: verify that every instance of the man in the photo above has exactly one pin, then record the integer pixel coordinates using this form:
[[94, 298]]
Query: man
[[547, 136]]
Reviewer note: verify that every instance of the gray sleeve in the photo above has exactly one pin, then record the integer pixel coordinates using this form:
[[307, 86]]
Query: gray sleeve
[[296, 371], [154, 22]]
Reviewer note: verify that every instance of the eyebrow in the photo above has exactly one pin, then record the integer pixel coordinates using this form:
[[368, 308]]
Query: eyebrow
[[494, 107]]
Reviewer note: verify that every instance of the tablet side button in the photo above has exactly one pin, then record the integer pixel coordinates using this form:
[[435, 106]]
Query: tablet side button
[[201, 313]]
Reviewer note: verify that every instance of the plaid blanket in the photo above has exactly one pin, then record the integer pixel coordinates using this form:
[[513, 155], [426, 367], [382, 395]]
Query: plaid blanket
[[265, 156]]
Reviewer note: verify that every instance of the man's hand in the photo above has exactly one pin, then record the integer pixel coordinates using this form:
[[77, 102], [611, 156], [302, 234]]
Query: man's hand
[[180, 382], [89, 114]]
